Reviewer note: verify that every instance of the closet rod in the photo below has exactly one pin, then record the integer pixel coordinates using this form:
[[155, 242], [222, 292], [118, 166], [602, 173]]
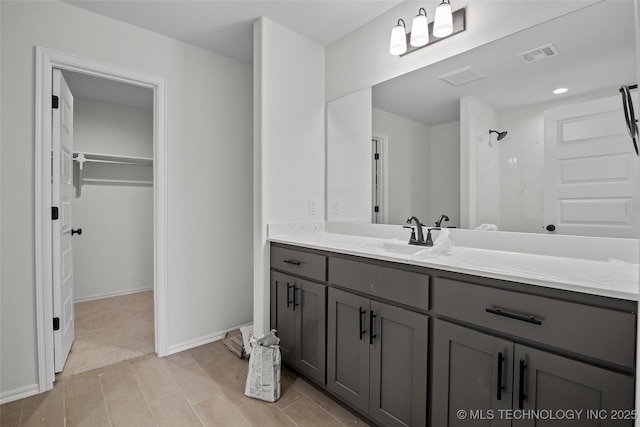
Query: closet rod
[[117, 181], [116, 162]]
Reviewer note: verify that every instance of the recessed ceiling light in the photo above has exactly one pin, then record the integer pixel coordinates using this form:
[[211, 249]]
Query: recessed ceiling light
[[560, 90]]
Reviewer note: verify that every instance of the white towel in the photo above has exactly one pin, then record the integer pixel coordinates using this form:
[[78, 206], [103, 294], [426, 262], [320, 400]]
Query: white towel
[[487, 227]]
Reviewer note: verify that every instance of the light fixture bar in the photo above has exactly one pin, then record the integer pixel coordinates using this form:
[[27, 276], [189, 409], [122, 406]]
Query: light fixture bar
[[459, 25]]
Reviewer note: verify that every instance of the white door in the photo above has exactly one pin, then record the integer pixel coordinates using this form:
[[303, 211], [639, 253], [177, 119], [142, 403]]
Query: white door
[[591, 171], [62, 192]]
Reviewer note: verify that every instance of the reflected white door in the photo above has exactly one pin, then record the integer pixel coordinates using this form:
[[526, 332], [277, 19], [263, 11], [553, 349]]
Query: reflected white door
[[591, 171], [62, 192]]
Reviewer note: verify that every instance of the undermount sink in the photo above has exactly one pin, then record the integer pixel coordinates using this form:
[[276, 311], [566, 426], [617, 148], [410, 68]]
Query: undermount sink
[[402, 248]]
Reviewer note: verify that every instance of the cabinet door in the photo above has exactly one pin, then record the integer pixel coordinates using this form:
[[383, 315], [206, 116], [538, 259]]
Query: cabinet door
[[545, 381], [309, 307], [398, 354], [283, 321], [472, 372], [348, 348]]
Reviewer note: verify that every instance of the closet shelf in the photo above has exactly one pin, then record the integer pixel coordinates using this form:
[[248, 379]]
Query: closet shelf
[[81, 158]]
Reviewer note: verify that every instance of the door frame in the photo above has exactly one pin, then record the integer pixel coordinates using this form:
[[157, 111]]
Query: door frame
[[383, 149], [46, 61]]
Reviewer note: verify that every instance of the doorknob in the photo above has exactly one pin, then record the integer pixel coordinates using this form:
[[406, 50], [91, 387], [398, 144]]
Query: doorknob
[[551, 227], [78, 231]]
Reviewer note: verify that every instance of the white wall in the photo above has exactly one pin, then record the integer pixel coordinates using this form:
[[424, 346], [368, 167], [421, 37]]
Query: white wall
[[479, 164], [445, 172], [209, 151], [349, 195], [362, 59], [114, 253], [289, 142], [409, 164]]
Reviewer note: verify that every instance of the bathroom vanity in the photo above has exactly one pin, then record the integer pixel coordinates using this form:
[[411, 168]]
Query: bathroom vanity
[[405, 341]]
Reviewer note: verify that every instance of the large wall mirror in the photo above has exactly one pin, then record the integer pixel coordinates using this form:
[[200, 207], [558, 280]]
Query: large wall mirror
[[431, 127]]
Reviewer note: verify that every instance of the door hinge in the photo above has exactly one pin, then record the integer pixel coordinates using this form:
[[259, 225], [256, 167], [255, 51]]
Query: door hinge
[[376, 156], [54, 213], [56, 323], [54, 102], [376, 209]]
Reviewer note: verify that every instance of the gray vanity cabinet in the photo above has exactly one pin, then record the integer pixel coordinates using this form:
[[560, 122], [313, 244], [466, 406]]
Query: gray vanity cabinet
[[398, 366], [377, 358], [490, 377], [348, 347], [282, 313], [472, 372], [298, 314], [532, 356], [361, 329], [547, 381]]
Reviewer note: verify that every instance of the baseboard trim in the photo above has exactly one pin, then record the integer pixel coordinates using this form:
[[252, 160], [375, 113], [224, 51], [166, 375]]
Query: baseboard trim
[[113, 294], [19, 393], [216, 336]]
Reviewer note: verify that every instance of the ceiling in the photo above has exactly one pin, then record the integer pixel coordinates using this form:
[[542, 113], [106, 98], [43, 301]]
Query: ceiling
[[226, 26], [597, 52], [596, 45]]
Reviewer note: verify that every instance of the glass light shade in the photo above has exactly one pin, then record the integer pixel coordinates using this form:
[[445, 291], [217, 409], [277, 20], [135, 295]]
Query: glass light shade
[[398, 44], [443, 23], [419, 31]]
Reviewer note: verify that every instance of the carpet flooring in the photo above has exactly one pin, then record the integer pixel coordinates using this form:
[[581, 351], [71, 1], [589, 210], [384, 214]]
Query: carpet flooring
[[111, 330]]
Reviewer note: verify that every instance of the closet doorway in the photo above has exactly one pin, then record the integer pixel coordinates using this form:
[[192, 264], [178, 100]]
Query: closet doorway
[[112, 235], [46, 212]]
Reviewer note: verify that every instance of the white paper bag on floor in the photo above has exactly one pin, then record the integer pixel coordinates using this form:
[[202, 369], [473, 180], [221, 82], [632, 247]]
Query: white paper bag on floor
[[263, 380]]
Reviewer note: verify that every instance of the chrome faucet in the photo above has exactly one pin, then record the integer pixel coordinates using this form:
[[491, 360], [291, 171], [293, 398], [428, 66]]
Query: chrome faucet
[[442, 218], [420, 240]]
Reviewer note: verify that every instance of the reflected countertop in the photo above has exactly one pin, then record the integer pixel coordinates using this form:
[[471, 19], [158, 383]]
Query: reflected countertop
[[610, 278]]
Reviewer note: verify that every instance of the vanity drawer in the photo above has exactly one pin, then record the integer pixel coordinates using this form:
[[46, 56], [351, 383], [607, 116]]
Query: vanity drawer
[[400, 286], [301, 263], [596, 332]]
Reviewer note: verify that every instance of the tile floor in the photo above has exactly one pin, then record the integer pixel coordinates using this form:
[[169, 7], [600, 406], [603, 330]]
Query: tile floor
[[201, 386]]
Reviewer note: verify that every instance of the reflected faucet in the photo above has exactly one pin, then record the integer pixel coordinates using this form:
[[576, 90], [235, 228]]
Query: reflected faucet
[[420, 240], [442, 218]]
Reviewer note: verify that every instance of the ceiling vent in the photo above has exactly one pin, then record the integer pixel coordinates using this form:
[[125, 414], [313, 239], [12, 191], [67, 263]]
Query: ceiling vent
[[539, 53], [461, 76]]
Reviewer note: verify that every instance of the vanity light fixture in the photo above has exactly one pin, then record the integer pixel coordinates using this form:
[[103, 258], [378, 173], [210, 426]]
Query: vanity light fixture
[[560, 90], [443, 24], [446, 23], [398, 44], [420, 29]]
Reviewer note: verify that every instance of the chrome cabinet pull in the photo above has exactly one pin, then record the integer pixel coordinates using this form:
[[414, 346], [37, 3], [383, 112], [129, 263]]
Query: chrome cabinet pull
[[528, 319]]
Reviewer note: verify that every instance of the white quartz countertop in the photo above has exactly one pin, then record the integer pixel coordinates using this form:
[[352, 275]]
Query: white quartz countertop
[[611, 278]]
